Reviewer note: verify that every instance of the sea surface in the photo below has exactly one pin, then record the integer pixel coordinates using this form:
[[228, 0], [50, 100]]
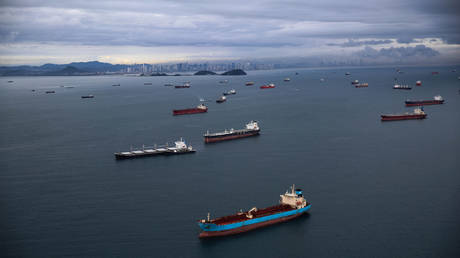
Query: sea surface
[[378, 189]]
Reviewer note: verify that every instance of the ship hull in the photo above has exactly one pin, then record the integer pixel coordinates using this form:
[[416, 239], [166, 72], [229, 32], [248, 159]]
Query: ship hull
[[208, 139], [402, 117], [189, 111], [248, 225], [120, 156], [424, 102]]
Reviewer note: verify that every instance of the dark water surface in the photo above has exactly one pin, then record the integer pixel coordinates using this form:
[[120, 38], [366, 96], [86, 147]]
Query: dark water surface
[[377, 189]]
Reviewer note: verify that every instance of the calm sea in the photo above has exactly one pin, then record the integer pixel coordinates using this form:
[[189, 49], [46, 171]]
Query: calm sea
[[377, 189]]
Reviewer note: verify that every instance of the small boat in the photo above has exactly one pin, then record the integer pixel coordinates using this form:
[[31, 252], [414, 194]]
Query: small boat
[[33, 90], [401, 87], [322, 80], [362, 85], [355, 82], [115, 85], [198, 109], [435, 101], [169, 85], [268, 86], [10, 81], [224, 81], [87, 96], [147, 83], [249, 83], [347, 73], [418, 83], [185, 85], [221, 99], [230, 92], [417, 114], [287, 79], [69, 87], [50, 91]]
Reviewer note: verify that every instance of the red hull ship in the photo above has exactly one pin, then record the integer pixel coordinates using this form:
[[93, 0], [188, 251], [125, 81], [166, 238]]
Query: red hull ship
[[417, 114], [437, 100], [199, 109], [268, 86], [418, 83]]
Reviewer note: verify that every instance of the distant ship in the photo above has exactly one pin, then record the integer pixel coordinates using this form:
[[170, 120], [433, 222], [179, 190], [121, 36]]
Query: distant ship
[[169, 85], [435, 101], [185, 85], [116, 85], [292, 204], [417, 114], [268, 86], [224, 81], [147, 83], [221, 99], [230, 92], [401, 87], [249, 83], [434, 73], [179, 148], [418, 83], [362, 85], [10, 81], [355, 82], [347, 73], [50, 91], [87, 96], [199, 109], [287, 79], [251, 129]]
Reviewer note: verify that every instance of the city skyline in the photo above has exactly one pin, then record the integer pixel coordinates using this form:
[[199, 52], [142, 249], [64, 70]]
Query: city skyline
[[118, 32]]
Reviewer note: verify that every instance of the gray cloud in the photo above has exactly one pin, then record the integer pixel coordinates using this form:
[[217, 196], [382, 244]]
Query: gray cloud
[[398, 52], [353, 43]]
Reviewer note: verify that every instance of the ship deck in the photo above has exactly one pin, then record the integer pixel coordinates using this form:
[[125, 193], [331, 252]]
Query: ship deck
[[259, 213]]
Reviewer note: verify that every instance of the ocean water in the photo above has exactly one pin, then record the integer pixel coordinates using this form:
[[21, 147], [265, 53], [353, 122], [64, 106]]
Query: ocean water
[[377, 189]]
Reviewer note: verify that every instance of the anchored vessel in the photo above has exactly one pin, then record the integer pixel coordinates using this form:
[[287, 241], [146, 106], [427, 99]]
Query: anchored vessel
[[362, 85], [401, 87], [268, 86], [249, 83], [287, 79], [435, 101], [252, 129], [185, 85], [198, 109], [221, 99], [417, 114], [230, 92], [355, 82], [179, 148], [291, 205], [418, 83], [87, 96]]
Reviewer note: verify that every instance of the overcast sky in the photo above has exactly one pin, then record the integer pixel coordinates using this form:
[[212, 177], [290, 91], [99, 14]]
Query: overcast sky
[[155, 31]]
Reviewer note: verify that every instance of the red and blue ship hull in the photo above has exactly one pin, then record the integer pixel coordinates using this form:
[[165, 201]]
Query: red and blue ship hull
[[213, 230]]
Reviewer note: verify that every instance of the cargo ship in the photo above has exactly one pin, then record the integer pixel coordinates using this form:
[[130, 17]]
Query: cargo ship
[[362, 85], [268, 86], [417, 114], [230, 92], [435, 101], [179, 148], [401, 87], [292, 204], [249, 83], [355, 82], [251, 129], [50, 91], [222, 99], [198, 109], [287, 79], [87, 96], [185, 85], [418, 83]]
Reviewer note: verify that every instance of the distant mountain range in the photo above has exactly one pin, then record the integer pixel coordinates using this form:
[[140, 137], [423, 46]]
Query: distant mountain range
[[75, 68]]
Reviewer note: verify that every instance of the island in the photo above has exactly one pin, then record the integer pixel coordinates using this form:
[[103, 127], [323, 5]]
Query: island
[[205, 73], [235, 72]]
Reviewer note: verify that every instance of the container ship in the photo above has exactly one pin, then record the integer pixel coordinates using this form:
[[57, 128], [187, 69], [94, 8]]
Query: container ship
[[179, 148], [362, 85], [198, 109], [252, 129], [417, 114], [291, 205], [401, 87], [268, 86], [435, 101]]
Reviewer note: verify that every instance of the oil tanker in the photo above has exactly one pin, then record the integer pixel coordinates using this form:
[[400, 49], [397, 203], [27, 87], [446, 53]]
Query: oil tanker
[[417, 114], [252, 129], [199, 109], [291, 205], [435, 101]]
